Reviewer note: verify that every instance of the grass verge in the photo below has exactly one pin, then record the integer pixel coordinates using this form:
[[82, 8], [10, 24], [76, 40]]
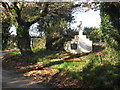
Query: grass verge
[[97, 69]]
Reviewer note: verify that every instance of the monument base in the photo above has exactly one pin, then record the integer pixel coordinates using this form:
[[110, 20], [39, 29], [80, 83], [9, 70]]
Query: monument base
[[80, 44]]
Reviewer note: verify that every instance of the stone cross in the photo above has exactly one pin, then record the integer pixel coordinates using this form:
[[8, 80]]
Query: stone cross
[[80, 28]]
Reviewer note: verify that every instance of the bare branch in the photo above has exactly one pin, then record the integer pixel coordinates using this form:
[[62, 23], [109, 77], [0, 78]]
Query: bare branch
[[18, 11], [15, 5], [7, 8]]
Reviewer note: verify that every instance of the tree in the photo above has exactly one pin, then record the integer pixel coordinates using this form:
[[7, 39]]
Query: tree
[[94, 34], [5, 30], [110, 23], [22, 17], [55, 24]]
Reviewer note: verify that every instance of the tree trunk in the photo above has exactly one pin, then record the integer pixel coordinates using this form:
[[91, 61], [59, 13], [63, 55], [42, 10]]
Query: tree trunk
[[23, 38], [49, 43]]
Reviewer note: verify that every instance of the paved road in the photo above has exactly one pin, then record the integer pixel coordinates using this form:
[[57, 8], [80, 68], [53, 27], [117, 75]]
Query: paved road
[[12, 79]]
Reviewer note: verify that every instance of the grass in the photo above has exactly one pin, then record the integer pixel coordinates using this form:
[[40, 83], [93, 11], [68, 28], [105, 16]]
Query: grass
[[56, 56], [42, 56], [97, 69], [13, 53], [93, 71], [39, 43]]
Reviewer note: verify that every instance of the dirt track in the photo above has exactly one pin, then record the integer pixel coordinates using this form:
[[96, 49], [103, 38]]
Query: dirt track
[[12, 79]]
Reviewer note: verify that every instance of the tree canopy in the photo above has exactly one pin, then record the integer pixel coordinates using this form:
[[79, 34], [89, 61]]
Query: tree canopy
[[110, 23], [53, 19], [24, 14]]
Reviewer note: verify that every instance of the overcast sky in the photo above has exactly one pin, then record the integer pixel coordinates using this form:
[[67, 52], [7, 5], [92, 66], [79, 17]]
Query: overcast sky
[[90, 18]]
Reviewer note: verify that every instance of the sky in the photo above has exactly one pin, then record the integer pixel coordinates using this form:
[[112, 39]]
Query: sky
[[90, 18]]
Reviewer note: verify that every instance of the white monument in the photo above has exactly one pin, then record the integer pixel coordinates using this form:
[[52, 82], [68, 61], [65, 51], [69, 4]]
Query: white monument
[[79, 44]]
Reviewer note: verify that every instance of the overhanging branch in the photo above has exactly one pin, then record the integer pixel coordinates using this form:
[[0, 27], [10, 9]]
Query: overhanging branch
[[43, 13], [7, 7], [18, 12], [36, 20]]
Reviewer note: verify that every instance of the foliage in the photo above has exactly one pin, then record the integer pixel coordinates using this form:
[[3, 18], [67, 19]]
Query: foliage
[[93, 69], [17, 12], [55, 24], [94, 34], [52, 18], [56, 56], [5, 30], [8, 40], [97, 71], [110, 27], [39, 43], [11, 43], [57, 12]]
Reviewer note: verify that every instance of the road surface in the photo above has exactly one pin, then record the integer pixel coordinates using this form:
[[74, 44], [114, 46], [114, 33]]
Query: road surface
[[12, 79]]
